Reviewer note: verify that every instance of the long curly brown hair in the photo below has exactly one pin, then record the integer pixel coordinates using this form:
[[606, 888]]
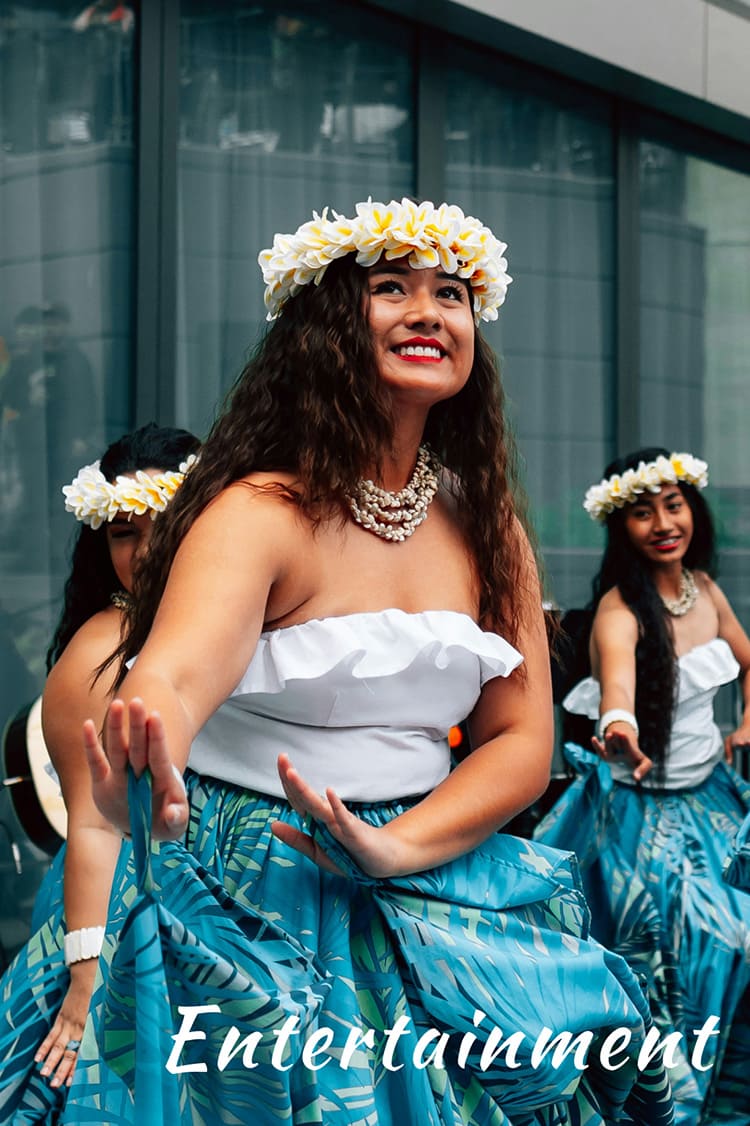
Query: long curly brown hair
[[311, 402]]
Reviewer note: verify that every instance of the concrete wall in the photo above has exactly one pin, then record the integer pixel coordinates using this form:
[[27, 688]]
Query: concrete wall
[[699, 47]]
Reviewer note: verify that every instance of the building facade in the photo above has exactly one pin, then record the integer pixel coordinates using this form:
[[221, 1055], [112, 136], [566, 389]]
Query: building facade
[[148, 152]]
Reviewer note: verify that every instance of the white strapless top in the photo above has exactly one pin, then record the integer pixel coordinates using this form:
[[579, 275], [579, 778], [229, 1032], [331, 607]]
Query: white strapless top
[[361, 702], [695, 744]]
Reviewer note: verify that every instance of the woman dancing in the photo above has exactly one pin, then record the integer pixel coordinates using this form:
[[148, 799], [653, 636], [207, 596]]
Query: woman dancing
[[331, 928], [652, 819], [47, 991]]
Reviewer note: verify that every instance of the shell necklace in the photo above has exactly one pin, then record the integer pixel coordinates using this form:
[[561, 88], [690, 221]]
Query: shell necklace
[[687, 597], [396, 516]]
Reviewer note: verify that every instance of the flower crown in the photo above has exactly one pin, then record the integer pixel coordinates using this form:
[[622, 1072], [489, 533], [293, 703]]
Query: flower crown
[[94, 500], [649, 476], [430, 236]]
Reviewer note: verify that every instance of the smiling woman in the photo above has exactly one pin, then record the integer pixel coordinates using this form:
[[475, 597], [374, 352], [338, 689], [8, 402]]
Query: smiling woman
[[405, 305], [653, 820], [342, 579]]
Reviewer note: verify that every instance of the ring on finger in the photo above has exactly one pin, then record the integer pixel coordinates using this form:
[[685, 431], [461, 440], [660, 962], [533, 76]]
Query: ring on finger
[[72, 1045]]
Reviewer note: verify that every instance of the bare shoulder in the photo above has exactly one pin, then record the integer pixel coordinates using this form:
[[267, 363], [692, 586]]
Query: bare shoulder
[[259, 501], [519, 541], [88, 648], [254, 525], [252, 543], [728, 625], [612, 602], [72, 684], [614, 618], [708, 586]]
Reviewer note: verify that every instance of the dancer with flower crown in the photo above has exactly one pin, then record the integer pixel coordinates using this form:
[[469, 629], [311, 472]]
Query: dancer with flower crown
[[653, 812], [328, 927], [46, 992]]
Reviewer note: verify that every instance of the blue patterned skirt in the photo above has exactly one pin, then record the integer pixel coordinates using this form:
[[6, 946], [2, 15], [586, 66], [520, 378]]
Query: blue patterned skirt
[[31, 993], [249, 986], [651, 864], [737, 863]]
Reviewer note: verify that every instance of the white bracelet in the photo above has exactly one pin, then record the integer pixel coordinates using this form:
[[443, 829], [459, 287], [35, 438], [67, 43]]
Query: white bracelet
[[615, 715], [83, 944]]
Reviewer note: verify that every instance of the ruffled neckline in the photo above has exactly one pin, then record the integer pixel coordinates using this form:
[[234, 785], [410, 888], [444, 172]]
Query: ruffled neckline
[[706, 666], [695, 653], [372, 644], [702, 668]]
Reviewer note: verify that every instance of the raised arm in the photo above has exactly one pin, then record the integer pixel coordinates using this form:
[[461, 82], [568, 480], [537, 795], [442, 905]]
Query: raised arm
[[201, 642], [614, 636], [512, 732], [71, 694]]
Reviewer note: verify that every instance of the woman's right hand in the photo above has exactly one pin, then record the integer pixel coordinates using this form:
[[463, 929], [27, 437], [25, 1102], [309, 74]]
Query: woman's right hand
[[142, 745], [620, 744]]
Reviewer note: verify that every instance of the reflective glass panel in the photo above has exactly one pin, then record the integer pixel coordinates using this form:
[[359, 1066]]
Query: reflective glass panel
[[285, 108], [695, 335], [66, 169], [539, 172]]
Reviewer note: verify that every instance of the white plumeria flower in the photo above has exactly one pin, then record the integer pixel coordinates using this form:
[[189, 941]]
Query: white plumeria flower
[[427, 236], [140, 493], [632, 485], [621, 489], [95, 501], [187, 465], [595, 501], [666, 470], [691, 468]]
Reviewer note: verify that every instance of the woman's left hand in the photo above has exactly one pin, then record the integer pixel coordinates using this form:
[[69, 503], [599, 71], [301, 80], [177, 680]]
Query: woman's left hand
[[58, 1052], [371, 847], [737, 739]]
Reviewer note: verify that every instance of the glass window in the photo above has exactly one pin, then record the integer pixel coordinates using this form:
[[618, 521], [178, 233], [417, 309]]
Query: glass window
[[284, 109], [66, 170], [539, 171], [695, 334]]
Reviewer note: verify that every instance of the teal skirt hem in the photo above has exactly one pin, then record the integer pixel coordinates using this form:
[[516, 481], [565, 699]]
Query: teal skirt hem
[[651, 865], [248, 985]]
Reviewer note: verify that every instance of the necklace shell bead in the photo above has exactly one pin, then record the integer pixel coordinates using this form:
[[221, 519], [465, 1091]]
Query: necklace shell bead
[[396, 516], [687, 597]]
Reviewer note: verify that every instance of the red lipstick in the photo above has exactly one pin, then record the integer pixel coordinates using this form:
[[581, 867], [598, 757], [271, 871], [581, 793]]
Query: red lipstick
[[420, 342]]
